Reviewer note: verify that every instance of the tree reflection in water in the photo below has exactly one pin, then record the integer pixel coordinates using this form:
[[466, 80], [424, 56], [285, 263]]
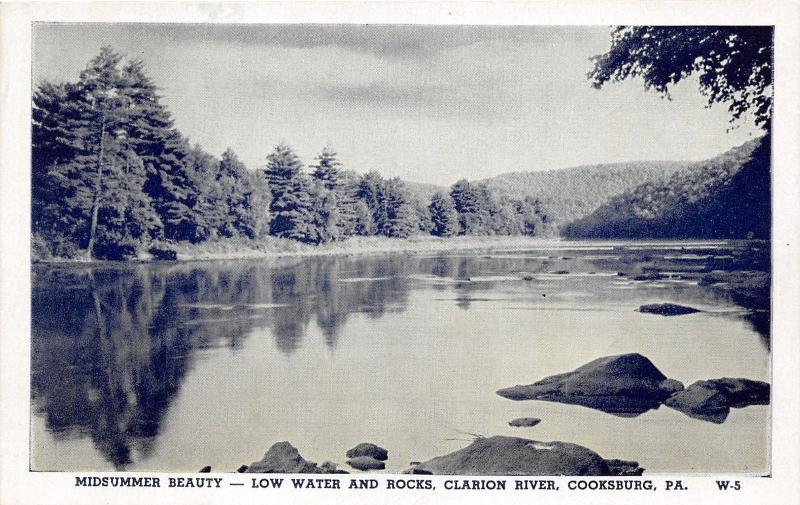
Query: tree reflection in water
[[111, 346]]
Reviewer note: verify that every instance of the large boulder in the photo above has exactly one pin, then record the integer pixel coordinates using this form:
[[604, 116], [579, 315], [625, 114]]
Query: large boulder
[[283, 457], [366, 463], [711, 400], [501, 455], [624, 385], [368, 449]]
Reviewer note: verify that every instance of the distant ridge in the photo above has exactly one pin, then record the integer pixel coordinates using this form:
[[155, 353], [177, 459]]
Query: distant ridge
[[568, 194], [727, 196]]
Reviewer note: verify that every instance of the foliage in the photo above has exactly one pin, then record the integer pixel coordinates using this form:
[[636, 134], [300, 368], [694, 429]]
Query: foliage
[[291, 205], [88, 175], [725, 197], [571, 193], [443, 215], [733, 63]]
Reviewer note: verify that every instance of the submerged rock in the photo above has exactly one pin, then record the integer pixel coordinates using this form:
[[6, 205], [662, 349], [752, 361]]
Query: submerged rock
[[649, 276], [283, 457], [524, 422], [711, 400], [368, 449], [624, 385], [517, 456], [666, 309], [366, 463]]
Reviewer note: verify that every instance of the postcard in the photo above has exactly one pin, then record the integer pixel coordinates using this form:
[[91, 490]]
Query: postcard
[[390, 252]]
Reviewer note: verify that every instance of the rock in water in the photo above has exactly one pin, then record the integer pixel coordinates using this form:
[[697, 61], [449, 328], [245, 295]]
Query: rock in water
[[368, 449], [330, 467], [517, 456], [666, 309], [624, 468], [711, 400], [283, 457], [366, 463], [624, 385], [524, 422], [205, 469]]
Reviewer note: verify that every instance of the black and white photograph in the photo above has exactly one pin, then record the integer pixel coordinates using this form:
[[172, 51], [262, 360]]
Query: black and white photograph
[[387, 252]]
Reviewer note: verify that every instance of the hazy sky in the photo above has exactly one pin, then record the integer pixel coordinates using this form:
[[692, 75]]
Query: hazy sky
[[427, 103]]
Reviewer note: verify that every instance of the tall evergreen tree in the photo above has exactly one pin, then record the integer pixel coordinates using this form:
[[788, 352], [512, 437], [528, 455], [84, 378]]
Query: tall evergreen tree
[[325, 226], [290, 206], [81, 133], [370, 192], [255, 218], [170, 183], [328, 173], [327, 169], [209, 213], [401, 216], [443, 215], [244, 197], [467, 200], [364, 222]]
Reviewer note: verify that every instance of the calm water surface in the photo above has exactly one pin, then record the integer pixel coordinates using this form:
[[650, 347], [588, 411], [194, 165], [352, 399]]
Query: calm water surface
[[178, 366]]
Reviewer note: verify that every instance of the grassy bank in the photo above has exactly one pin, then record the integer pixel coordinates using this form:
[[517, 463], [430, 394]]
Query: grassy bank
[[270, 247]]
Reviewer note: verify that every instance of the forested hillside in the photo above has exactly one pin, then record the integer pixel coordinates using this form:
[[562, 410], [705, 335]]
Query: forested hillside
[[571, 193], [112, 178], [725, 197]]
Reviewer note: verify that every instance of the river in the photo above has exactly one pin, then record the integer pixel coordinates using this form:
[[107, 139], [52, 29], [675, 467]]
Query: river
[[175, 366]]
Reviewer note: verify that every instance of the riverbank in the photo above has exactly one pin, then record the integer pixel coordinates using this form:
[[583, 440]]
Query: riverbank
[[271, 247]]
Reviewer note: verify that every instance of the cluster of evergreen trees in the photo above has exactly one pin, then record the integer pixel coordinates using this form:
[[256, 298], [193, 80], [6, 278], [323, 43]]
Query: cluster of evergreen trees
[[112, 175]]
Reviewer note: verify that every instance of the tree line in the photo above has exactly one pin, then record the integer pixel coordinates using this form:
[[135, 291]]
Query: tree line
[[725, 197], [112, 176]]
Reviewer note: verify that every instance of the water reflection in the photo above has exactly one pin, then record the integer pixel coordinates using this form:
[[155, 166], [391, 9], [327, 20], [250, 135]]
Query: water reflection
[[111, 346]]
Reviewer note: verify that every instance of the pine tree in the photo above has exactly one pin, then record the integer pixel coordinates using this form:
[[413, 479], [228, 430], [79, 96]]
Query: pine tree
[[325, 225], [290, 206], [423, 216], [401, 216], [327, 169], [329, 175], [443, 215], [245, 198], [54, 145], [163, 150], [209, 213], [95, 177], [370, 192], [255, 218], [364, 223]]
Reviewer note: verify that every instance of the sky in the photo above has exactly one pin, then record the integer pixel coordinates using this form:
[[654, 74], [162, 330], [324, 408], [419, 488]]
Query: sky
[[427, 103]]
